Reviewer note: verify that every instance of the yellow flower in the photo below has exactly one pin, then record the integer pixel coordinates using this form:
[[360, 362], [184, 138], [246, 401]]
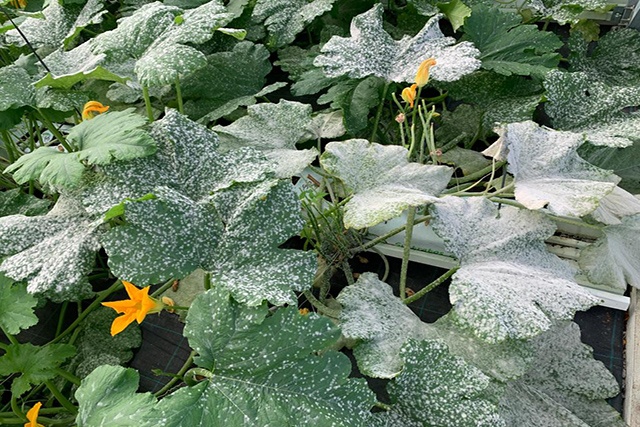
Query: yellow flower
[[409, 94], [422, 76], [92, 108], [32, 416], [303, 311], [18, 4], [136, 308]]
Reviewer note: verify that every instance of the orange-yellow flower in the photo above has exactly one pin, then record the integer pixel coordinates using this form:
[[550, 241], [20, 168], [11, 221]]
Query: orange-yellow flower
[[92, 108], [422, 76], [32, 416], [19, 4], [135, 308], [409, 94]]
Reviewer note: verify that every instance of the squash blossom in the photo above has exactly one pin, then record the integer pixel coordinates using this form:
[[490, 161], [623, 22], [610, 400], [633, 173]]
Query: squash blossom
[[422, 76], [32, 416], [19, 4], [92, 108], [409, 94], [135, 308]]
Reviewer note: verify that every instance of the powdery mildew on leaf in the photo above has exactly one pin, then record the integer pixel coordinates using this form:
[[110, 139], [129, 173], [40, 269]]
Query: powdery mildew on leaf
[[383, 182], [60, 25], [16, 89], [437, 388], [274, 129], [29, 242], [615, 206], [267, 370], [107, 397], [565, 387], [157, 36], [548, 171], [286, 18], [14, 201], [371, 50], [612, 260], [508, 285], [371, 313], [258, 218]]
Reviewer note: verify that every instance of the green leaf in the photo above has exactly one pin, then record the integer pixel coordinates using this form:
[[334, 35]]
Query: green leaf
[[508, 285], [33, 364], [436, 388], [371, 51], [274, 129], [107, 397], [106, 137], [65, 231], [611, 260], [468, 161], [383, 182], [228, 81], [267, 370], [548, 171], [15, 202], [16, 89], [622, 161], [565, 387], [159, 44], [60, 26], [325, 125], [16, 306], [456, 12], [286, 18], [510, 48]]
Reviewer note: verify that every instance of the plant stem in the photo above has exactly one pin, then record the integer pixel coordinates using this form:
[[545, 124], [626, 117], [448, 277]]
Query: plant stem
[[346, 268], [382, 406], [60, 397], [63, 310], [67, 376], [16, 409], [185, 367], [323, 309], [54, 130], [147, 103], [166, 285], [95, 304], [476, 175], [431, 286], [179, 96], [411, 215], [379, 112], [9, 145], [11, 338], [384, 237], [386, 263]]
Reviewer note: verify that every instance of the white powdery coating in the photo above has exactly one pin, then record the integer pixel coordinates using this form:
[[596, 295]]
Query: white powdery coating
[[508, 285], [273, 129], [371, 313], [286, 18], [60, 24], [548, 172], [384, 183], [16, 89], [616, 132], [613, 259], [54, 253], [615, 206], [371, 51]]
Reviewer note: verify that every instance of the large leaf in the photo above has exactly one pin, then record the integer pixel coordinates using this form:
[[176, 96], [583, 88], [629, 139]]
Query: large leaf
[[382, 180], [157, 36], [565, 387], [612, 259], [229, 80], [107, 397], [29, 243], [620, 160], [439, 389], [61, 25], [507, 47], [33, 364], [548, 171], [15, 88], [371, 51], [286, 18], [107, 137], [16, 306], [267, 370], [273, 129], [508, 285], [13, 202]]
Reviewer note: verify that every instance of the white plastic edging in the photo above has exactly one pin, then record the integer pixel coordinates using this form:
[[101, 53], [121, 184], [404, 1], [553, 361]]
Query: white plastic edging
[[631, 409]]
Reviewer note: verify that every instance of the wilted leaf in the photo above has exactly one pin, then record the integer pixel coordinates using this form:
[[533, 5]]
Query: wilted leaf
[[382, 180], [371, 51], [508, 285]]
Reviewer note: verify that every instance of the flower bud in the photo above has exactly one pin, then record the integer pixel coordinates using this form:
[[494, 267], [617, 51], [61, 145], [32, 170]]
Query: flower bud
[[409, 94], [400, 118]]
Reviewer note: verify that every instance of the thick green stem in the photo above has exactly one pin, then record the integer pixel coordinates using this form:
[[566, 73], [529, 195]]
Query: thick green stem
[[61, 398], [185, 367], [63, 310], [411, 215], [95, 304], [477, 175], [9, 146], [384, 237], [11, 338], [179, 96], [16, 408], [346, 268], [323, 309], [147, 103], [54, 130], [166, 285], [376, 121], [67, 376], [431, 286]]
